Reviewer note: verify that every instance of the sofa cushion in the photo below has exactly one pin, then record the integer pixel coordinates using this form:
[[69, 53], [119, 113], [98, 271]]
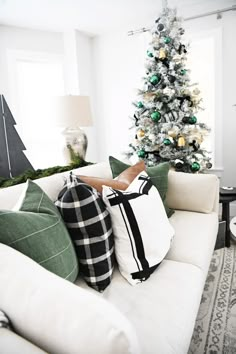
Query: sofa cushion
[[141, 228], [188, 191], [195, 236], [58, 316], [163, 309], [89, 225], [37, 230], [11, 343], [158, 174]]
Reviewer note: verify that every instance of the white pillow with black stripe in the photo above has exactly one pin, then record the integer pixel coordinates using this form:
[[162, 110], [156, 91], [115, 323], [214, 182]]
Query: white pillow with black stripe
[[89, 225], [141, 228]]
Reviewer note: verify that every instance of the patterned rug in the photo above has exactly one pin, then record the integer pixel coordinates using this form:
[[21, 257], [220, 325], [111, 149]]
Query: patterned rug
[[215, 328]]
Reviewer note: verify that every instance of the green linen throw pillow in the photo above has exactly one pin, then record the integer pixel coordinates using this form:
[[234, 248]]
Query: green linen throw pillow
[[37, 230], [158, 174]]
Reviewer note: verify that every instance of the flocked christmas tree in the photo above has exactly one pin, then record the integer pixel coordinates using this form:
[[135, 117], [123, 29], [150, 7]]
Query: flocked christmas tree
[[165, 120]]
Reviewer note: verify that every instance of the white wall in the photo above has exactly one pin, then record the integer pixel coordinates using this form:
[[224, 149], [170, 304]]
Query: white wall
[[15, 38]]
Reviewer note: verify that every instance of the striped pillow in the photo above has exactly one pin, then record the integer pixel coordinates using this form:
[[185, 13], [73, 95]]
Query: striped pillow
[[37, 230], [141, 228]]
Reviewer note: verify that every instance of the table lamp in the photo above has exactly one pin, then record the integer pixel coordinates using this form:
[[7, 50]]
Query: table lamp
[[73, 112]]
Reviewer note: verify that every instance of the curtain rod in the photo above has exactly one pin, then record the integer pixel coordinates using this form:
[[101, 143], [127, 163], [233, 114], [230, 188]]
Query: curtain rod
[[217, 12]]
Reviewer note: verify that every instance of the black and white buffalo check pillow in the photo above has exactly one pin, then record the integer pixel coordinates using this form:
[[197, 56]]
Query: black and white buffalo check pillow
[[141, 228], [89, 224]]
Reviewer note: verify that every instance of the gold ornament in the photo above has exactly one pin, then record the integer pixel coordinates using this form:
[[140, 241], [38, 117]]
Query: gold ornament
[[140, 133], [196, 91], [162, 53], [172, 133], [181, 141], [149, 96]]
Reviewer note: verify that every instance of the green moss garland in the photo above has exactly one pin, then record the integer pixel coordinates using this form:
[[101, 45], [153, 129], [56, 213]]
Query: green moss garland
[[41, 173]]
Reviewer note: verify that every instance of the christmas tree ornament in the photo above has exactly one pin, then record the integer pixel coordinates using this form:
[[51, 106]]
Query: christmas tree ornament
[[141, 133], [152, 137], [167, 142], [168, 91], [196, 91], [141, 153], [154, 79], [177, 58], [195, 166], [162, 53], [167, 40], [185, 120], [181, 31], [156, 116], [182, 49], [171, 78], [181, 142], [160, 27], [209, 165], [140, 104], [192, 120], [173, 132], [194, 145], [183, 71], [179, 164], [149, 54]]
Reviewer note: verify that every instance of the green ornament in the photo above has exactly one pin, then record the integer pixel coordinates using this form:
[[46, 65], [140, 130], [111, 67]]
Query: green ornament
[[167, 142], [183, 71], [141, 153], [149, 54], [195, 167], [167, 40], [156, 116], [154, 79], [140, 104], [192, 120]]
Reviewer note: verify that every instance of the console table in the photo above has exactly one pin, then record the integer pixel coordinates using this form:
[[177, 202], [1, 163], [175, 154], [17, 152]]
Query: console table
[[226, 197]]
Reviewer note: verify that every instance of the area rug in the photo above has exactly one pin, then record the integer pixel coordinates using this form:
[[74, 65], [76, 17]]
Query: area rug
[[215, 328]]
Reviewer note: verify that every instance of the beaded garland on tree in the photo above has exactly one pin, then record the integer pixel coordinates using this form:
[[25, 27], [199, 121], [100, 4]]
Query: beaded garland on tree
[[165, 119]]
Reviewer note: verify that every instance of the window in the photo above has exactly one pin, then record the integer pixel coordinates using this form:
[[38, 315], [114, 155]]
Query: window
[[36, 78], [204, 61]]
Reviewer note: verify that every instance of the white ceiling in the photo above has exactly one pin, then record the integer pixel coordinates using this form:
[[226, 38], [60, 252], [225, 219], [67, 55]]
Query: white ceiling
[[96, 16]]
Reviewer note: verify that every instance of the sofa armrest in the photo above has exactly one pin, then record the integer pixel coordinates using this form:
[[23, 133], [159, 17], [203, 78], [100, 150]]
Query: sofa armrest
[[57, 315], [193, 192], [11, 343]]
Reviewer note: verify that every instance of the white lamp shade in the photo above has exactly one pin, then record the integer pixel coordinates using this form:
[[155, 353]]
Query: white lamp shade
[[73, 111]]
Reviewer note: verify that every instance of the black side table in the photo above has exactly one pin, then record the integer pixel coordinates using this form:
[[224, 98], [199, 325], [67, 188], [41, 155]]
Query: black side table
[[226, 197]]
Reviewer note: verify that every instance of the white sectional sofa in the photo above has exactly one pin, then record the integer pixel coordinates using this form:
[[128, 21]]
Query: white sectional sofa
[[156, 316]]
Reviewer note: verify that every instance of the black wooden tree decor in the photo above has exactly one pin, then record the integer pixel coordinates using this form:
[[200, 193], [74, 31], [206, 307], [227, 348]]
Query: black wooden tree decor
[[13, 161]]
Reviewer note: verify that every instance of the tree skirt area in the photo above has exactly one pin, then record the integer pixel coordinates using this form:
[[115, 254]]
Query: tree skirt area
[[215, 327]]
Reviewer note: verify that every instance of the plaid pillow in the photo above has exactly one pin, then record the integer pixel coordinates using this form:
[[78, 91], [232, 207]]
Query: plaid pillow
[[4, 321], [89, 224]]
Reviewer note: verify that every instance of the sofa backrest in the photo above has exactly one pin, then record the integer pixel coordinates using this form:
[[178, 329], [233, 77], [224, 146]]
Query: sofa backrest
[[52, 184], [186, 191], [193, 192]]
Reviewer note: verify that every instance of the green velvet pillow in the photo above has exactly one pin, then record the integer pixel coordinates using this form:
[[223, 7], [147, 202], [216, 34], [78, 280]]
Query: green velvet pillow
[[37, 230], [158, 174]]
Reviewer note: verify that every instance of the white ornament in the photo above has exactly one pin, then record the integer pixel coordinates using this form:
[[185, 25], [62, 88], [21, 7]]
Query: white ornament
[[152, 137], [168, 91]]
